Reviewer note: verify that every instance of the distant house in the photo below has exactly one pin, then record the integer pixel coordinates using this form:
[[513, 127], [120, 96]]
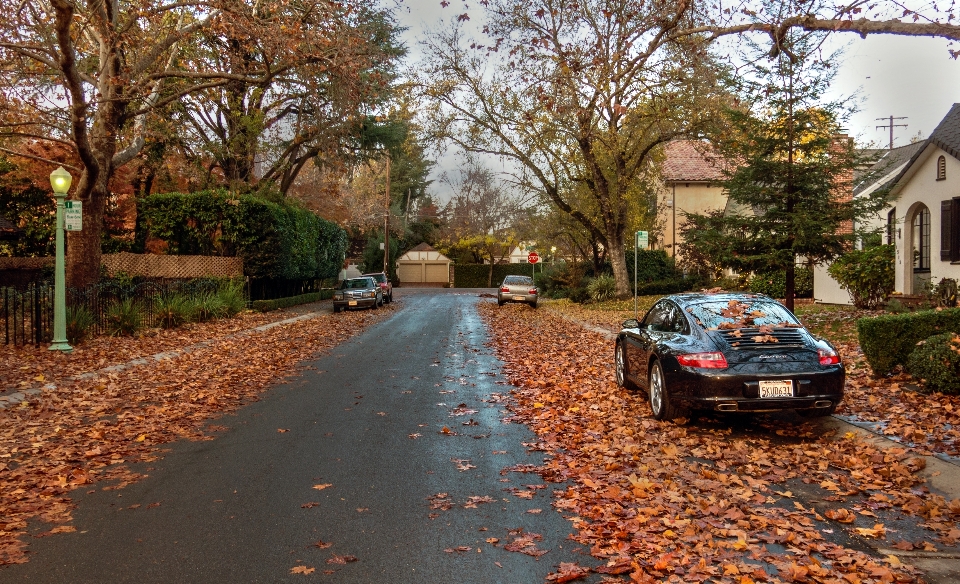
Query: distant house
[[691, 174], [879, 175], [925, 222], [8, 230]]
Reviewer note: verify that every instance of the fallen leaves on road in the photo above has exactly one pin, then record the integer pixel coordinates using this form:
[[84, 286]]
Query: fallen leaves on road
[[658, 499], [301, 570], [337, 559], [86, 432], [323, 486], [568, 572]]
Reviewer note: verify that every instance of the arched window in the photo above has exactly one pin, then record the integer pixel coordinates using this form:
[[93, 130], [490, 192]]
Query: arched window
[[942, 168], [921, 240]]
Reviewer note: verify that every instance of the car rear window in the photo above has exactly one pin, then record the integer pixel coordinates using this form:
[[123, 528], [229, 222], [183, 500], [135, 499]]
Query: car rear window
[[518, 281], [356, 283], [741, 313], [379, 278]]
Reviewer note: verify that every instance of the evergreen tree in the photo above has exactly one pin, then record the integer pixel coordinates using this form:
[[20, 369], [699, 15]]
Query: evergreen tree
[[789, 175]]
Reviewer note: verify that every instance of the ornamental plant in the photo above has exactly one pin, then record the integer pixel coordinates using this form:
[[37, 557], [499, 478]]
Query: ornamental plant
[[867, 275], [936, 363]]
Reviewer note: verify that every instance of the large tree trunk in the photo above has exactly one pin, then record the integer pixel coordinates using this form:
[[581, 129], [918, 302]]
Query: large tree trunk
[[791, 285], [83, 247], [618, 261]]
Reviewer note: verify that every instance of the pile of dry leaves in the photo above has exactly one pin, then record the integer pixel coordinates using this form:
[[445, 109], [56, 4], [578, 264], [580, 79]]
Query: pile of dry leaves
[[657, 500], [83, 432]]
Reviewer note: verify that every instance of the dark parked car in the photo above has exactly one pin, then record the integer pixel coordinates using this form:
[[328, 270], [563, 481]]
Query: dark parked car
[[386, 287], [728, 353], [518, 289], [363, 292]]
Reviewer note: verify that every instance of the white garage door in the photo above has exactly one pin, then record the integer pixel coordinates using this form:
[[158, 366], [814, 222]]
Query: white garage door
[[437, 273], [411, 273]]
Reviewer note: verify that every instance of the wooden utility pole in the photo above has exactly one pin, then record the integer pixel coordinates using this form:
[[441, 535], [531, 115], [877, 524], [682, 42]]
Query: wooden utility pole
[[386, 225], [891, 125]]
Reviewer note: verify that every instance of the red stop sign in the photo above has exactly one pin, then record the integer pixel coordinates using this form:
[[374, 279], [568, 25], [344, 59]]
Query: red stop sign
[[533, 257]]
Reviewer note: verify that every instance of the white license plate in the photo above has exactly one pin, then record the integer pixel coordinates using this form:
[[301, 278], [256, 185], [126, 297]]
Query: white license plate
[[352, 303], [776, 388], [518, 298]]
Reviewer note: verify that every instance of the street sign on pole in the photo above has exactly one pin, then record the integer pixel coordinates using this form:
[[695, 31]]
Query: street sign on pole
[[73, 215], [643, 239], [533, 257]]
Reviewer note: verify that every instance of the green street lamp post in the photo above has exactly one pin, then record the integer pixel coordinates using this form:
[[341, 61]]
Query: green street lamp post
[[60, 180]]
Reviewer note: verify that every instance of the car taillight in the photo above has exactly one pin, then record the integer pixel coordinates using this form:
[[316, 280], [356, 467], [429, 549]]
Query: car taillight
[[504, 289], [703, 360], [533, 291], [828, 357]]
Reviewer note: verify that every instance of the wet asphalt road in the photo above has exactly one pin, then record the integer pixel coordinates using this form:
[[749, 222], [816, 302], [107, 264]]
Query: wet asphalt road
[[236, 509]]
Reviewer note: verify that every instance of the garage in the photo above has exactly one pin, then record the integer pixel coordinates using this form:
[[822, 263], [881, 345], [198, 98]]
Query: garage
[[423, 266]]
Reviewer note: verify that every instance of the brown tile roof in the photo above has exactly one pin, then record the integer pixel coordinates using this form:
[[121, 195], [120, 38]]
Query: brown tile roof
[[690, 160], [423, 247]]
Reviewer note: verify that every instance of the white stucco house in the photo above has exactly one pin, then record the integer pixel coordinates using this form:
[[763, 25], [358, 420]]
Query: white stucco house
[[879, 175], [924, 222]]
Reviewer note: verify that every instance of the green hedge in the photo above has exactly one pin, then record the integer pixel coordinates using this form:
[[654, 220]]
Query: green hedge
[[274, 240], [888, 340], [653, 265], [268, 305], [475, 275]]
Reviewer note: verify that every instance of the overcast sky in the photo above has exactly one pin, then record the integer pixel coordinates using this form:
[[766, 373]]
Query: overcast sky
[[898, 76]]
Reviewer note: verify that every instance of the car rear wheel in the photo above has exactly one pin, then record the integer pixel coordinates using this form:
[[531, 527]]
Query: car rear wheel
[[660, 402], [499, 302], [336, 309], [533, 305], [620, 367]]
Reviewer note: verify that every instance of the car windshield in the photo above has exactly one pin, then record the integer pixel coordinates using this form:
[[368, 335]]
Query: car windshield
[[518, 281], [355, 284], [379, 278], [742, 313]]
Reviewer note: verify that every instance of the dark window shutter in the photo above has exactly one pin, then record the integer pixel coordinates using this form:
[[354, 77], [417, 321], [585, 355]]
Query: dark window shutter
[[946, 237], [955, 231]]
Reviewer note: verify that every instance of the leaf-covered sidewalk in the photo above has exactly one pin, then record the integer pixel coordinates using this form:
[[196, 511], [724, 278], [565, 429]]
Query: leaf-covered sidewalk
[[84, 432], [660, 501]]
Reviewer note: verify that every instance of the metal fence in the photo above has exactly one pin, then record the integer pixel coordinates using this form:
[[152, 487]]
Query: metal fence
[[26, 316]]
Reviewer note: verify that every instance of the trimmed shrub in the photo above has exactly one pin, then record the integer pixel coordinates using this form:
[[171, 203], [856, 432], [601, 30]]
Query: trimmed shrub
[[652, 265], [774, 284], [673, 286], [601, 288], [172, 311], [123, 318], [277, 241], [867, 275], [946, 293], [268, 305], [476, 275], [79, 322], [936, 363], [888, 340]]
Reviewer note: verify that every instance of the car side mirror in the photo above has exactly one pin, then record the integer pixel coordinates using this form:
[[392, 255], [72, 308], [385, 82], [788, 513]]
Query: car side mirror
[[630, 323]]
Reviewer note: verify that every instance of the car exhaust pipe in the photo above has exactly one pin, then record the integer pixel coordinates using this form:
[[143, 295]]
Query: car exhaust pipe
[[727, 407], [823, 403]]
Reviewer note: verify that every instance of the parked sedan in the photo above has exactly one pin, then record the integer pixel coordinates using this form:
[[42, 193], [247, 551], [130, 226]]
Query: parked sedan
[[729, 353], [363, 292], [386, 287], [518, 289]]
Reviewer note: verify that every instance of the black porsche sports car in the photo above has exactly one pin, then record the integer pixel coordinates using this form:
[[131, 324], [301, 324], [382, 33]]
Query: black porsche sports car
[[728, 352]]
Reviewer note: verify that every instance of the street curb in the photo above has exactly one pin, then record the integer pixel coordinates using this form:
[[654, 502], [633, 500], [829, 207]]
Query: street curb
[[21, 395], [941, 475]]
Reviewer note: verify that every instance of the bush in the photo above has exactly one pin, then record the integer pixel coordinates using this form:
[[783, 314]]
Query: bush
[[652, 265], [207, 307], [79, 322], [123, 318], [232, 296], [173, 311], [888, 340], [867, 275], [602, 288], [670, 286], [565, 280], [774, 284], [936, 363], [946, 293]]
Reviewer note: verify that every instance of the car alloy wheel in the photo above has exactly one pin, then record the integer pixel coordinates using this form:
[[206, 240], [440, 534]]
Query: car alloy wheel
[[619, 365], [656, 390]]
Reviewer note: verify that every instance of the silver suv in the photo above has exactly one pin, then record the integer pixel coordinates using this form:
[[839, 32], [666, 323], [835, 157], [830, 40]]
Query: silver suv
[[518, 289]]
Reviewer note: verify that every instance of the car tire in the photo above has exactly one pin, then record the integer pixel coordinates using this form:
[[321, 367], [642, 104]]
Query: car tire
[[663, 408], [336, 309], [500, 302], [620, 368], [533, 305]]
